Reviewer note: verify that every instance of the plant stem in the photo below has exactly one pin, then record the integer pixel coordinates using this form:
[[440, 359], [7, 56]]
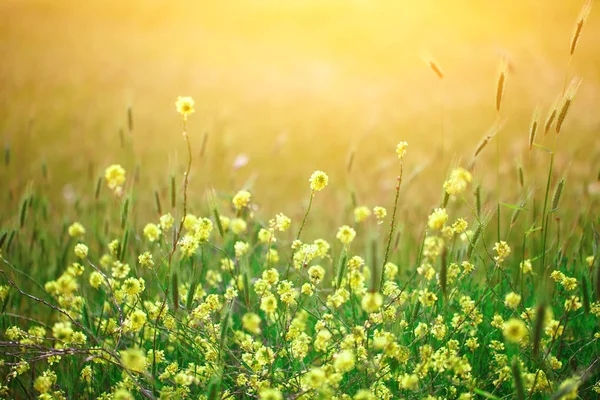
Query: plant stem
[[392, 226]]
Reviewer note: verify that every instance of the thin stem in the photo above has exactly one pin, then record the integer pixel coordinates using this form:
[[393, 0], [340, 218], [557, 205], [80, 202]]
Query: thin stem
[[185, 185], [175, 241], [544, 216], [392, 226], [312, 195]]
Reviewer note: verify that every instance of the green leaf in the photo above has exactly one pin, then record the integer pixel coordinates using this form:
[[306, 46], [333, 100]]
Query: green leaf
[[547, 150], [485, 394], [513, 206]]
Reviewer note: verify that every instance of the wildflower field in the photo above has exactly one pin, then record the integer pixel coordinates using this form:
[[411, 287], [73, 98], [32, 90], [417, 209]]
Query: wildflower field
[[316, 240]]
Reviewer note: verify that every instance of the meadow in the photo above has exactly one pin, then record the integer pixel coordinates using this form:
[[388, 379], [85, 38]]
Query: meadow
[[300, 200]]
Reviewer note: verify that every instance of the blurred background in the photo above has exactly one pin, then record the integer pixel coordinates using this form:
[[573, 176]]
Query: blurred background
[[283, 88]]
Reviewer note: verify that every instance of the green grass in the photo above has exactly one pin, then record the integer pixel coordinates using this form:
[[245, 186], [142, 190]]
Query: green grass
[[437, 330]]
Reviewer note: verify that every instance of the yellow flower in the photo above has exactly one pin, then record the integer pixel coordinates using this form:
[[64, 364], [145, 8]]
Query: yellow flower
[[514, 330], [203, 229], [240, 248], [372, 302], [189, 244], [390, 270], [120, 270], [185, 106], [282, 222], [421, 329], [346, 234], [555, 363], [315, 378], [437, 219], [86, 374], [166, 221], [502, 250], [62, 331], [526, 267], [123, 394], [44, 382], [270, 394], [266, 236], [569, 283], [286, 292], [468, 267], [458, 181], [115, 178], [427, 298], [572, 304], [241, 199], [81, 250], [152, 232], [251, 323], [361, 213], [380, 214], [447, 232], [471, 343], [238, 226], [316, 273], [231, 293], [557, 276], [344, 361], [498, 321], [76, 229], [364, 394], [145, 260], [460, 225], [410, 381], [322, 247], [401, 149], [225, 221], [133, 286], [318, 180], [135, 321], [271, 276], [272, 256], [307, 289], [133, 359], [190, 222], [96, 279], [512, 300], [113, 247], [268, 304]]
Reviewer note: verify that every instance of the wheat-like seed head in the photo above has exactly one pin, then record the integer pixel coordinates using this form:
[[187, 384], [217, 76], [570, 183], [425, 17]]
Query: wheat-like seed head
[[533, 128], [585, 12], [435, 67], [550, 119], [536, 336], [568, 99], [558, 194], [501, 83]]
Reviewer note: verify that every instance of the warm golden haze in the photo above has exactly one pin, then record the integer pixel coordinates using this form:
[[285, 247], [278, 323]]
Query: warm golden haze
[[271, 80], [270, 234]]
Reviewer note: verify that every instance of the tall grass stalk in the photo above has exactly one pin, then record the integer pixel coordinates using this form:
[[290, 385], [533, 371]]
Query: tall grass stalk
[[392, 226]]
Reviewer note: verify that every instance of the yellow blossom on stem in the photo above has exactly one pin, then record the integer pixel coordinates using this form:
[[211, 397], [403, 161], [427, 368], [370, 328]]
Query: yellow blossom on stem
[[115, 178], [318, 181], [185, 106], [401, 149], [241, 199], [346, 234], [372, 302]]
